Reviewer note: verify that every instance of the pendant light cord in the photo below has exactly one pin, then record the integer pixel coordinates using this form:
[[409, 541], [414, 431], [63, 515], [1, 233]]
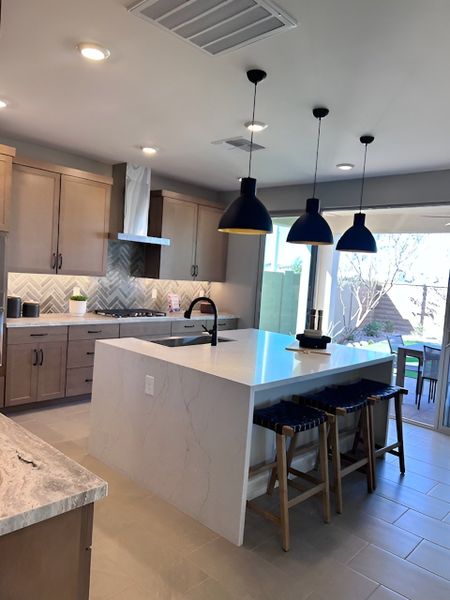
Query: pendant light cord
[[363, 179], [317, 158], [251, 137]]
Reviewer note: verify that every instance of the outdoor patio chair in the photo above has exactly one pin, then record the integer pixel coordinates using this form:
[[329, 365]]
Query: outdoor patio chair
[[431, 358], [395, 340]]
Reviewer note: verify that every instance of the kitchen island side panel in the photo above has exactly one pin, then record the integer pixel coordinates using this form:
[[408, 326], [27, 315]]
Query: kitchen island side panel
[[189, 443]]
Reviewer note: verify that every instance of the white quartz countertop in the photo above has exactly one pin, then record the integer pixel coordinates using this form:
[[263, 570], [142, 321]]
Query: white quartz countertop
[[255, 358], [55, 319], [37, 481]]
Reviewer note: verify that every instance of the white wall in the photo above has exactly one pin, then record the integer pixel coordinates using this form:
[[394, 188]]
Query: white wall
[[431, 187]]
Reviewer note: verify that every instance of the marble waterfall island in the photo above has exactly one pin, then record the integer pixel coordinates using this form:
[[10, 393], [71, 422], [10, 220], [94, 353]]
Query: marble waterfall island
[[190, 439]]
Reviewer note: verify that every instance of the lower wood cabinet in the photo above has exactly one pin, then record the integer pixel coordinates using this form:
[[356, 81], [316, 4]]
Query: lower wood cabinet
[[35, 372]]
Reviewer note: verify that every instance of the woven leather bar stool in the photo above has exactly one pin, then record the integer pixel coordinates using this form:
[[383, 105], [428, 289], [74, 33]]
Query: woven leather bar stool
[[339, 401], [288, 420], [376, 392]]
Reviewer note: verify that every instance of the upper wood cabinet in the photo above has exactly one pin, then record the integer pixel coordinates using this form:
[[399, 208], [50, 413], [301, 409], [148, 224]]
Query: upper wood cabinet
[[211, 255], [59, 220], [197, 250], [6, 157], [33, 239], [83, 226]]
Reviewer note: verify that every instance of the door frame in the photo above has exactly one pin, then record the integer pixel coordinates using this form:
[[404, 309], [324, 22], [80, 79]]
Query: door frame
[[444, 371], [312, 269]]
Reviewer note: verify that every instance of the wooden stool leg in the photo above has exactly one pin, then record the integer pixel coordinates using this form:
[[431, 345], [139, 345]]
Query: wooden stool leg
[[367, 428], [399, 426], [282, 482], [272, 479], [323, 457], [372, 445], [336, 452]]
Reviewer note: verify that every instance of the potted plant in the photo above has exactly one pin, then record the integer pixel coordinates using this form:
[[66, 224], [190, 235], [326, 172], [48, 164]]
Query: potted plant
[[77, 305]]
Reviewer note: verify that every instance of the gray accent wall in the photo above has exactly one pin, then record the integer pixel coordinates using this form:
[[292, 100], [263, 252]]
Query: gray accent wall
[[242, 288]]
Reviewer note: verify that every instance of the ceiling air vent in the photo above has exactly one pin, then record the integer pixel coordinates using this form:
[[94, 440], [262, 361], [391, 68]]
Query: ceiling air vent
[[216, 26], [240, 143]]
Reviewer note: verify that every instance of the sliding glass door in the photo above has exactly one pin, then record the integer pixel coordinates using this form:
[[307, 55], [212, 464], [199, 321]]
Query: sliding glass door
[[285, 281]]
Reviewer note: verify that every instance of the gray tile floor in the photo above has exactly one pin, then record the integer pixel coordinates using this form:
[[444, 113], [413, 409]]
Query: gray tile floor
[[391, 545]]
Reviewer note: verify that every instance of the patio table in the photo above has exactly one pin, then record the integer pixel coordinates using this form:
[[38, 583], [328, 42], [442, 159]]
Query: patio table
[[416, 351]]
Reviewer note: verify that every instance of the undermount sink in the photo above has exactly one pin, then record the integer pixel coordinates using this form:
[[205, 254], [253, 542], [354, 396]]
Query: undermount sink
[[191, 340]]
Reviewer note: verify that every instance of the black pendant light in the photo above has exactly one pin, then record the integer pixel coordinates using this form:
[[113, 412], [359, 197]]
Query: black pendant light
[[358, 237], [248, 215], [311, 228]]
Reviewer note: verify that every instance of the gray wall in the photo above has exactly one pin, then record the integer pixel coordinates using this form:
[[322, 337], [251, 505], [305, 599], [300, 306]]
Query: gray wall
[[431, 187], [67, 159], [59, 157]]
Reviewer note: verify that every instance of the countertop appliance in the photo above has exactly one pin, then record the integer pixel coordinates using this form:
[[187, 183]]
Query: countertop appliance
[[121, 313], [30, 309], [14, 307]]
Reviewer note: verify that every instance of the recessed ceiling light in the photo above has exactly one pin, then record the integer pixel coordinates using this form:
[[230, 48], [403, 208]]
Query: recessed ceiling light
[[345, 166], [3, 104], [93, 52], [256, 126], [149, 150]]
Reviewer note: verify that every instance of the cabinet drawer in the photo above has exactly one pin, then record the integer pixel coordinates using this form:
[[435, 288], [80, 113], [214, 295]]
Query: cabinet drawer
[[223, 324], [188, 326], [79, 381], [81, 353], [22, 335], [144, 329], [93, 332]]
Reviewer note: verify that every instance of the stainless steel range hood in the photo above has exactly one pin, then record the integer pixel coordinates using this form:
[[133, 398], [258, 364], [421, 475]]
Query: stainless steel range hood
[[130, 205]]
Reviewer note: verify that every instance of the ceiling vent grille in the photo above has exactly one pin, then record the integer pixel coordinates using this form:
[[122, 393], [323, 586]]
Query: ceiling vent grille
[[216, 26], [240, 143]]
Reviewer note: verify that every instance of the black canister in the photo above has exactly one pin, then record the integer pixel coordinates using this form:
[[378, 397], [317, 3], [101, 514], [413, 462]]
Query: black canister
[[30, 309], [13, 307]]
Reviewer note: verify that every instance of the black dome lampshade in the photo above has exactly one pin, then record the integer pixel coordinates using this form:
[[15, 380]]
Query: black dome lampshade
[[247, 215], [358, 238], [311, 228]]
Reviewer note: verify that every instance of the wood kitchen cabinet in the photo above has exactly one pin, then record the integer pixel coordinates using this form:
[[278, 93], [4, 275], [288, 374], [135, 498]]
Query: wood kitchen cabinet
[[197, 250], [6, 156], [33, 238], [35, 369], [59, 220]]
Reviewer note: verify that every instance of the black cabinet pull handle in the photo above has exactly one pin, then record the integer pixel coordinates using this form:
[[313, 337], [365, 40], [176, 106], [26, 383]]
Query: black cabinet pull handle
[[221, 324], [90, 353], [60, 261], [94, 331], [38, 334], [189, 326], [88, 380], [41, 362], [53, 266], [196, 270], [35, 359], [193, 271]]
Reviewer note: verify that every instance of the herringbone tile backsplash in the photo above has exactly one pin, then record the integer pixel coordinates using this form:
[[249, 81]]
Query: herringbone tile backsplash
[[118, 289]]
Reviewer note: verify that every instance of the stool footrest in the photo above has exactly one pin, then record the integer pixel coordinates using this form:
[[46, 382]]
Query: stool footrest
[[302, 475], [354, 467], [384, 449], [263, 512], [305, 494]]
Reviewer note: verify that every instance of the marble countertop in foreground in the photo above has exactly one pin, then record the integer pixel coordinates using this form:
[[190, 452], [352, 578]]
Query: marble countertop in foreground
[[37, 482], [55, 319], [254, 358]]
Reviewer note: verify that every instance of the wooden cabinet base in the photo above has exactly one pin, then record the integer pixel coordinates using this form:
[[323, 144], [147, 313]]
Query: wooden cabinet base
[[50, 560]]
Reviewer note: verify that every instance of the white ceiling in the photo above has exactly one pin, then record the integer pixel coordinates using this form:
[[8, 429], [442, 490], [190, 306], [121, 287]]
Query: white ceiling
[[380, 66]]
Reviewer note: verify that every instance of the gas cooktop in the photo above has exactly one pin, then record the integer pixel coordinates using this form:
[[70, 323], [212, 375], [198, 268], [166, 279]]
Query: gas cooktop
[[121, 313]]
